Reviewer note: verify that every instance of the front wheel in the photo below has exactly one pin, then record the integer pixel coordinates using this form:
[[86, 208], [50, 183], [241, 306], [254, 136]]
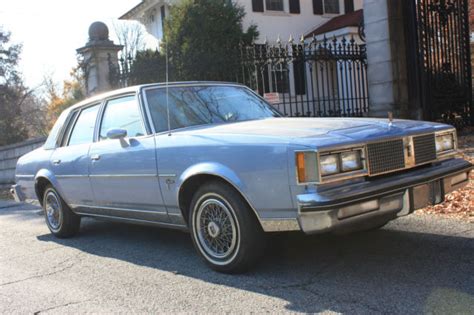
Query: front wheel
[[61, 221], [224, 229]]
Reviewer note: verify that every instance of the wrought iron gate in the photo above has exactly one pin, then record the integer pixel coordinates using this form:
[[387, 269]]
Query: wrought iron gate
[[440, 50]]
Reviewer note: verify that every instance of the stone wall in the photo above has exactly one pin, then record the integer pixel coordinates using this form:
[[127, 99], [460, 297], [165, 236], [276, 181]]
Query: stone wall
[[10, 154]]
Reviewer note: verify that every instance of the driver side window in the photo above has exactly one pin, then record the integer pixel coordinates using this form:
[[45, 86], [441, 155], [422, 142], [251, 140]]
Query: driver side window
[[122, 113]]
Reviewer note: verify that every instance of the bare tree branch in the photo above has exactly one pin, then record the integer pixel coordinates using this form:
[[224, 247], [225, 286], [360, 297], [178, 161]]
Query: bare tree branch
[[131, 35]]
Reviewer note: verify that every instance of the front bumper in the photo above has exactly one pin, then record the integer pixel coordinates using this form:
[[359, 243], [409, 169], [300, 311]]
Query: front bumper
[[382, 198]]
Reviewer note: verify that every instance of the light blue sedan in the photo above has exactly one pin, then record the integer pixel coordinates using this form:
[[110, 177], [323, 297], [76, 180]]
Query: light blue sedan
[[217, 160]]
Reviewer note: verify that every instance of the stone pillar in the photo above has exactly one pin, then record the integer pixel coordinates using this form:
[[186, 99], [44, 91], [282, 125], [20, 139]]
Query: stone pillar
[[386, 57], [99, 54]]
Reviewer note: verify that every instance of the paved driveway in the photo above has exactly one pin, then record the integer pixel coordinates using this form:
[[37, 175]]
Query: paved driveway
[[416, 264]]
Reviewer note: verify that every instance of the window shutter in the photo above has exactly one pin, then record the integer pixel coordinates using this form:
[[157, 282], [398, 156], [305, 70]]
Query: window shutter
[[348, 6], [295, 6], [299, 71], [257, 5], [318, 7]]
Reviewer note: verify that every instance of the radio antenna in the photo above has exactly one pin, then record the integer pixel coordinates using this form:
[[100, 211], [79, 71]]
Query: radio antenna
[[166, 86]]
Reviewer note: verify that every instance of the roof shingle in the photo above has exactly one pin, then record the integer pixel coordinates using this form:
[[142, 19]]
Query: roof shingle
[[338, 22]]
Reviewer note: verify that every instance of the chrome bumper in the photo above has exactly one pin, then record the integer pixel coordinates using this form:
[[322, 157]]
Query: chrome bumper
[[376, 199], [15, 190]]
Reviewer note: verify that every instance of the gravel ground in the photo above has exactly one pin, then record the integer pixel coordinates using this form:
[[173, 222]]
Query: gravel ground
[[417, 264]]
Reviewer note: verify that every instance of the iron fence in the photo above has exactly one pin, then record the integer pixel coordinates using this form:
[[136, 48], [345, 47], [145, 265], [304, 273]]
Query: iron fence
[[120, 73], [310, 78]]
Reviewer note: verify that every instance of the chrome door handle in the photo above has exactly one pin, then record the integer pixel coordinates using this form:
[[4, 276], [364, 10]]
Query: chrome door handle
[[56, 162], [95, 157]]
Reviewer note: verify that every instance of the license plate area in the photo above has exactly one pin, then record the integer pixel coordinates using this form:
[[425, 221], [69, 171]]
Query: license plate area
[[426, 195]]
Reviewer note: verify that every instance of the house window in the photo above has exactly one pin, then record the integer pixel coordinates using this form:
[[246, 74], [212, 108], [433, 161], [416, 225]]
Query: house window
[[163, 15], [279, 79], [348, 6], [331, 6], [274, 5]]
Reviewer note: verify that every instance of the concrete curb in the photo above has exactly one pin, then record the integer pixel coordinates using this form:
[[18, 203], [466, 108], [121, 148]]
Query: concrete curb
[[10, 203]]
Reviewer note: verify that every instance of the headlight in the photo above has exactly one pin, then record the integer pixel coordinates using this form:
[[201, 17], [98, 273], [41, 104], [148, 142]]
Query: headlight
[[351, 161], [329, 164], [444, 142], [314, 167]]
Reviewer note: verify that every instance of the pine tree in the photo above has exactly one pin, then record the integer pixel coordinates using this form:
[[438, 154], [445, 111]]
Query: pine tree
[[202, 38]]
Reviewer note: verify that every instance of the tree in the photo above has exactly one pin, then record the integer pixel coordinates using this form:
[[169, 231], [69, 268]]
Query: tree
[[12, 92], [71, 93], [131, 36], [149, 66], [202, 39], [34, 113]]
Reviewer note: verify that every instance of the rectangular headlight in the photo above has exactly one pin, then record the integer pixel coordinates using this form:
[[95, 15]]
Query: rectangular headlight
[[351, 161], [329, 164], [444, 142], [320, 167]]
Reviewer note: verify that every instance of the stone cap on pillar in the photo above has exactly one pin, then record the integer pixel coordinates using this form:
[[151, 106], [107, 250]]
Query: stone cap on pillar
[[99, 38], [99, 59]]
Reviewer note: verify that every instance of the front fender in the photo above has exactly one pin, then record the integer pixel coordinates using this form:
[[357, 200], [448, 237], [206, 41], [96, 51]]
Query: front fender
[[211, 168], [218, 170]]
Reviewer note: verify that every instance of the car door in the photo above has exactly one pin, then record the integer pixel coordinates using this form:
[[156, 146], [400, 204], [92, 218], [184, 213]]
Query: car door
[[70, 161], [123, 171]]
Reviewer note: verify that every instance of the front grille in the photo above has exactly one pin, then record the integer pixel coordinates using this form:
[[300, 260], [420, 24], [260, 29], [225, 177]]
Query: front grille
[[386, 156], [425, 148]]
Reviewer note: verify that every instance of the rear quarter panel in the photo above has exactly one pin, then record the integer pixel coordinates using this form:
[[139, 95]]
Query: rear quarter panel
[[28, 167]]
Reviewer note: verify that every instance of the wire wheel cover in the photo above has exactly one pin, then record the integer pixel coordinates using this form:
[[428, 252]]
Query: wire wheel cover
[[216, 229], [53, 210]]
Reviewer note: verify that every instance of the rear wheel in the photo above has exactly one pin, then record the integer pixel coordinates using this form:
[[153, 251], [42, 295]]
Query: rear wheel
[[224, 229], [60, 219]]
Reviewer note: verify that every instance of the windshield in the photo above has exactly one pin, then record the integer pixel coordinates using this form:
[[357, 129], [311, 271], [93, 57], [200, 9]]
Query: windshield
[[200, 105]]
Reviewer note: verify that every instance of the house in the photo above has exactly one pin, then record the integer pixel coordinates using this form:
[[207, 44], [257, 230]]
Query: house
[[401, 66], [347, 25], [283, 18]]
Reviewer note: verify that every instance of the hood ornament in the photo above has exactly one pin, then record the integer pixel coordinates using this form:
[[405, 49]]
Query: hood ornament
[[390, 119]]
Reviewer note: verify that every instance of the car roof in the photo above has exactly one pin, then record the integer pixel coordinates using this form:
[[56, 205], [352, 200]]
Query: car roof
[[137, 88]]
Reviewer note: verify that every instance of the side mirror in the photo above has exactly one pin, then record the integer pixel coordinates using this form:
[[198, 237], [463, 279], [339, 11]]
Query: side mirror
[[116, 133]]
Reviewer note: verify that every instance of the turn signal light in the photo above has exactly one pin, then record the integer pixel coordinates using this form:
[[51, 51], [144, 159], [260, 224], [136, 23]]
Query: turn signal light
[[307, 167]]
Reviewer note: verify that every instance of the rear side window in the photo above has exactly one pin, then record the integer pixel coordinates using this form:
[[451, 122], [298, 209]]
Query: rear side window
[[53, 140], [83, 130], [122, 113]]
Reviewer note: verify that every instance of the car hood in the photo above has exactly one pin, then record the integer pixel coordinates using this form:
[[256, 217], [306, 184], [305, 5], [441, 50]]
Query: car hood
[[320, 131]]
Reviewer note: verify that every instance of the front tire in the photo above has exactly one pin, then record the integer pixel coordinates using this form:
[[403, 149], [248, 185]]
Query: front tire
[[60, 219], [225, 231]]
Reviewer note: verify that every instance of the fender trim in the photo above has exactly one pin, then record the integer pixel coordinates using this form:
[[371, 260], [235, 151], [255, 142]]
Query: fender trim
[[217, 170]]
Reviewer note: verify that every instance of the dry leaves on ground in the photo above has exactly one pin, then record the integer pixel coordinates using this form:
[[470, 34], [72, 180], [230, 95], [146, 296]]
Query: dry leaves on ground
[[460, 203]]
